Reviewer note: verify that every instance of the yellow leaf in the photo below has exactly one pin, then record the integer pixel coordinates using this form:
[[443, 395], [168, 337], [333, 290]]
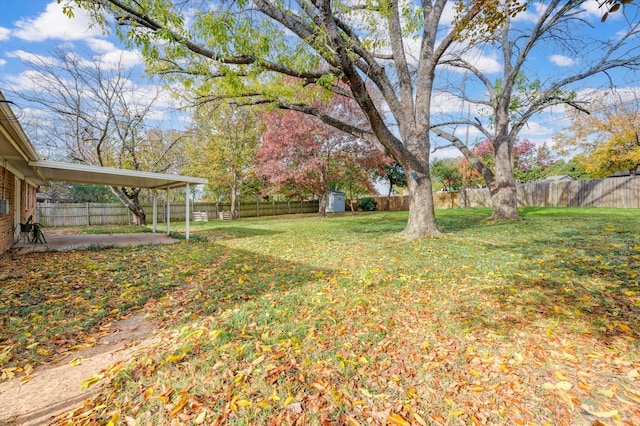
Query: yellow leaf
[[455, 413], [287, 401], [179, 406], [624, 327], [147, 394], [33, 345], [606, 392], [28, 369], [478, 388], [564, 385], [76, 362], [174, 358], [25, 379], [560, 376], [397, 420], [258, 360], [243, 403], [114, 420], [419, 419], [601, 414], [632, 374], [352, 421], [90, 381], [82, 346]]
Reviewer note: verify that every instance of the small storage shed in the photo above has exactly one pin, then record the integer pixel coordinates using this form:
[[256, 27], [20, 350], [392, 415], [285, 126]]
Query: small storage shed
[[335, 202]]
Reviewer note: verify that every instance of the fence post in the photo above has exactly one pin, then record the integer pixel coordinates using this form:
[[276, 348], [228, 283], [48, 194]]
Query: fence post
[[55, 208], [87, 205], [273, 208], [257, 208]]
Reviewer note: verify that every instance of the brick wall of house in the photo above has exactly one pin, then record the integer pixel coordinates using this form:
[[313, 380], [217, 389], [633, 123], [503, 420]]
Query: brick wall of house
[[28, 208], [7, 190]]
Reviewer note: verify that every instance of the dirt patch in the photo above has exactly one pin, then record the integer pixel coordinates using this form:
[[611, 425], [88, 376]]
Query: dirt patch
[[55, 388]]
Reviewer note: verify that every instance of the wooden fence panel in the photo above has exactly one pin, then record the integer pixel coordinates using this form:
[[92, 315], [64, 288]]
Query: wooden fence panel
[[85, 214], [620, 192]]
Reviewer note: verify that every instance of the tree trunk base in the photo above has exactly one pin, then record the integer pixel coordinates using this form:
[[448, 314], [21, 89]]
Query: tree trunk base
[[422, 219]]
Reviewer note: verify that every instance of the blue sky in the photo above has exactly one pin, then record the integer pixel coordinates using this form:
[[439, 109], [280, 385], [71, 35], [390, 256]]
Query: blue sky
[[32, 27]]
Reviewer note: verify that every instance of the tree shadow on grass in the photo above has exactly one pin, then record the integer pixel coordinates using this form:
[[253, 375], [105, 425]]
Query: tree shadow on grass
[[233, 232], [53, 301], [578, 279]]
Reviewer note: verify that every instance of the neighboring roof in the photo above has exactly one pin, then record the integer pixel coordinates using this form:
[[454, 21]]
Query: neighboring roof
[[83, 173], [15, 149], [556, 178]]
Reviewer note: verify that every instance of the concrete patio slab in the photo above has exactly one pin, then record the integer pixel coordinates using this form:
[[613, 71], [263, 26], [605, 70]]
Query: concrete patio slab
[[65, 242]]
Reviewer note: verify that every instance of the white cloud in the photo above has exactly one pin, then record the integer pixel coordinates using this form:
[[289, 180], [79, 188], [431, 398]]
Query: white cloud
[[448, 14], [4, 33], [120, 59], [562, 61], [54, 24], [592, 7], [31, 58], [100, 45], [486, 64], [2, 62], [25, 80], [530, 15]]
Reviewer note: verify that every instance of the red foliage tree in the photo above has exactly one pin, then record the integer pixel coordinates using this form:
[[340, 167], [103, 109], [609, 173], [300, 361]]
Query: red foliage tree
[[526, 156], [300, 156]]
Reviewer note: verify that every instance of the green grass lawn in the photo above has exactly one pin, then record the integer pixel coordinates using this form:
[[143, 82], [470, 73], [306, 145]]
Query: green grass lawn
[[302, 320]]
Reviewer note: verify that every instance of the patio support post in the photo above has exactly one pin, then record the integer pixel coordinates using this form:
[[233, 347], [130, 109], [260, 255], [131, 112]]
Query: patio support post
[[168, 213], [187, 202], [155, 211]]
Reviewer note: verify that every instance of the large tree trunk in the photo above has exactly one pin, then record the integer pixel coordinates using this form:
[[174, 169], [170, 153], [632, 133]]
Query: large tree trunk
[[132, 202], [422, 218], [504, 196]]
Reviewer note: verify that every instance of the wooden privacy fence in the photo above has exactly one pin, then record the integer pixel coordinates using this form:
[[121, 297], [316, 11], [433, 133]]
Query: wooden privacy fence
[[441, 200], [85, 214], [619, 192]]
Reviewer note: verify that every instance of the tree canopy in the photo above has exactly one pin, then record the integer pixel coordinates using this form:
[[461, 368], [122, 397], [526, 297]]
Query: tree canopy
[[607, 138]]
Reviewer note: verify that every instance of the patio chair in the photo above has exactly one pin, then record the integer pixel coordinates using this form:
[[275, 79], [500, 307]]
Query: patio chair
[[26, 229]]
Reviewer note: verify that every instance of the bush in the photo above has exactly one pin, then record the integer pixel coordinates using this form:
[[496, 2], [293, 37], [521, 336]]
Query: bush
[[367, 205]]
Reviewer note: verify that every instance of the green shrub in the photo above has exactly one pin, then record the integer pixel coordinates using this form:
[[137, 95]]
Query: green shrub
[[367, 205]]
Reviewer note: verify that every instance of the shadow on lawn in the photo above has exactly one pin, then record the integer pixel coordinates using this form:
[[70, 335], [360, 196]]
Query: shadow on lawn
[[51, 302], [235, 232], [583, 281]]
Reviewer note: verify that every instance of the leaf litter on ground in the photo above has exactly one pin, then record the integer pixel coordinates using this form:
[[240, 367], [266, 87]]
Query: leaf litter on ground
[[340, 321]]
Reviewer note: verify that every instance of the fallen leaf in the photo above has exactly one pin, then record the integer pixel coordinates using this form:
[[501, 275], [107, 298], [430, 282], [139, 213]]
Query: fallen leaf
[[600, 414]]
